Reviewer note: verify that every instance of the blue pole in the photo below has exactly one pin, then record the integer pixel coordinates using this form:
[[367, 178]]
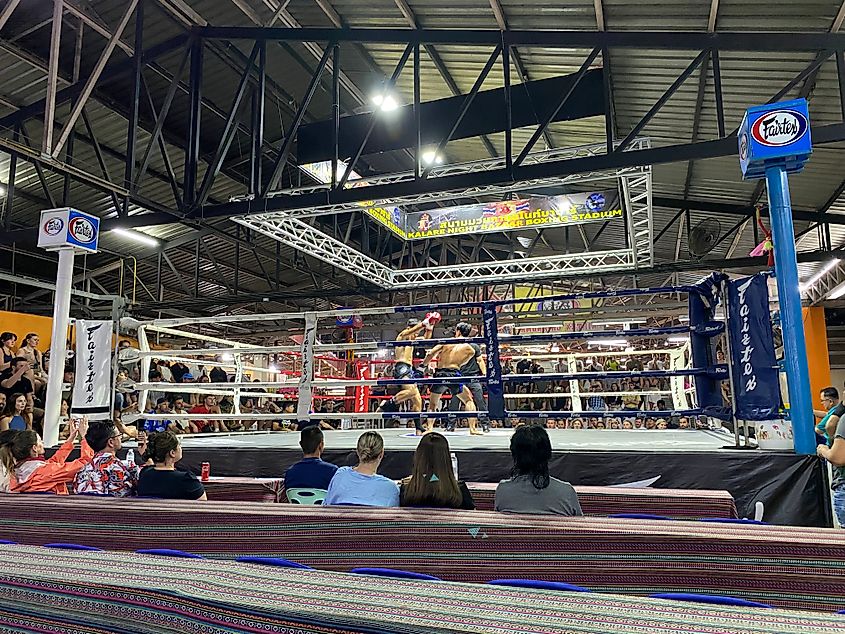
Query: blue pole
[[789, 297]]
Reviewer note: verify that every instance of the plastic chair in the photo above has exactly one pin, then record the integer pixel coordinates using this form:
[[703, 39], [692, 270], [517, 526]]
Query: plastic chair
[[639, 516], [6, 542], [538, 585], [396, 574], [168, 552], [306, 496], [279, 562], [73, 547], [714, 599]]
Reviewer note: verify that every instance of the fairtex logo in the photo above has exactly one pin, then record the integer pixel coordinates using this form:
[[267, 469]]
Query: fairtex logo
[[779, 128], [82, 230], [54, 226]]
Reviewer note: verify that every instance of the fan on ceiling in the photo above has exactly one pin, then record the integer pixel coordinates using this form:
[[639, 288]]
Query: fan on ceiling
[[703, 237]]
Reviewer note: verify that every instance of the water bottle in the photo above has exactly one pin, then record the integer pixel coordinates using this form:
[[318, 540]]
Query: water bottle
[[455, 465], [130, 457]]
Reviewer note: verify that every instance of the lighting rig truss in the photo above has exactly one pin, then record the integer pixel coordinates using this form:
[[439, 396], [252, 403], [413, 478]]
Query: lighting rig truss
[[635, 185]]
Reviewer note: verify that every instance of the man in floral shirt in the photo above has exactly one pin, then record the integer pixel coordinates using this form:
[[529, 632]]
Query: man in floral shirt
[[106, 474]]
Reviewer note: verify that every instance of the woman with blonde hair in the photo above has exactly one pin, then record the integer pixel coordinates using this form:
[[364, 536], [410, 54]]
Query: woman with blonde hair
[[432, 483], [361, 485]]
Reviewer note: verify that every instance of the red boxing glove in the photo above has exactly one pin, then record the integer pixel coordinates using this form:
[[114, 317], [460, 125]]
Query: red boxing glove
[[432, 319]]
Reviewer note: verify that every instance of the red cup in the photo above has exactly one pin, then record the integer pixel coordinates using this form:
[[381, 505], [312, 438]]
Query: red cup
[[205, 474]]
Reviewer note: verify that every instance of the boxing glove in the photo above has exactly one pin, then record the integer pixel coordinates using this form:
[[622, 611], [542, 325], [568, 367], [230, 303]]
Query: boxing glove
[[432, 319]]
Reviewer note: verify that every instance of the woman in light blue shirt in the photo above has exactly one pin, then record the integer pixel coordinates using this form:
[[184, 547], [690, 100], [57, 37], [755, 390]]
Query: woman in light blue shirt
[[361, 485]]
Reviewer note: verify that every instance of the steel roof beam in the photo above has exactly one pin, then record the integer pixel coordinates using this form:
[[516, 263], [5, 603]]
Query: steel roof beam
[[664, 40]]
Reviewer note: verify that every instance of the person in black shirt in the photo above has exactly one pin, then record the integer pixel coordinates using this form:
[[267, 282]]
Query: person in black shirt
[[13, 381], [162, 479]]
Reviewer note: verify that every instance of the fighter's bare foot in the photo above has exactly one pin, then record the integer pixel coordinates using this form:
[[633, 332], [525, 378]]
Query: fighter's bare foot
[[475, 432]]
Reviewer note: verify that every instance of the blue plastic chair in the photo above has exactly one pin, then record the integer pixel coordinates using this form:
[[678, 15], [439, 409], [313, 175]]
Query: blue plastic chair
[[168, 552], [279, 562], [396, 574], [841, 612], [714, 599], [538, 585], [7, 542], [732, 520], [639, 516], [63, 546]]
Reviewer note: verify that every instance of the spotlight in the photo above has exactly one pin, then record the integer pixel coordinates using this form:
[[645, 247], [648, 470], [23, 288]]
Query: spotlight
[[431, 157], [227, 356], [386, 102]]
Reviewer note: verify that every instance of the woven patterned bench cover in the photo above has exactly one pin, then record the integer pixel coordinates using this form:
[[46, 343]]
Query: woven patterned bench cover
[[94, 592], [778, 565]]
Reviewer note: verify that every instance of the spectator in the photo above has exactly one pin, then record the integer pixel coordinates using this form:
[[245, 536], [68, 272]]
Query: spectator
[[13, 380], [163, 480], [6, 438], [650, 423], [683, 423], [29, 351], [209, 406], [577, 424], [661, 406], [312, 472], [158, 425], [627, 424], [531, 489], [661, 424], [835, 455], [183, 425], [361, 485], [16, 414], [833, 411], [2, 402], [613, 401], [596, 403], [7, 344], [106, 475], [432, 483], [218, 375], [22, 455]]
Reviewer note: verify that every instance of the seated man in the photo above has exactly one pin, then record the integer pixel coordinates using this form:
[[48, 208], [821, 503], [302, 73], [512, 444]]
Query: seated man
[[105, 474], [154, 426], [209, 406], [311, 472]]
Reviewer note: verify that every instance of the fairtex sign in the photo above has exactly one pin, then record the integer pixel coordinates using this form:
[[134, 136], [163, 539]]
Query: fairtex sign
[[774, 134], [63, 228]]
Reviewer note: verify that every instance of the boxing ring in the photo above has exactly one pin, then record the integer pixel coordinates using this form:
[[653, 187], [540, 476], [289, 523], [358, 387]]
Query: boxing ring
[[311, 364]]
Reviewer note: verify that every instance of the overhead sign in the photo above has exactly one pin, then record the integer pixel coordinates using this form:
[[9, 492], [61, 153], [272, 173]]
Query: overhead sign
[[63, 228], [535, 212], [776, 134]]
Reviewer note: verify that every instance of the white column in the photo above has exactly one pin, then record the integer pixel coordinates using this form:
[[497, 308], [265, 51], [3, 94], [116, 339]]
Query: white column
[[58, 349]]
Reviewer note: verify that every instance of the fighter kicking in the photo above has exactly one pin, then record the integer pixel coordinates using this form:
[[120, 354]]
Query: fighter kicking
[[450, 358], [403, 367]]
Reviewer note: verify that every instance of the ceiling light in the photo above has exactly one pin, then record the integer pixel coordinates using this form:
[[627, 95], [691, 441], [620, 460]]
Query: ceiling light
[[431, 157], [827, 268], [2, 190], [273, 368], [137, 236], [227, 356], [385, 102], [608, 342], [381, 352]]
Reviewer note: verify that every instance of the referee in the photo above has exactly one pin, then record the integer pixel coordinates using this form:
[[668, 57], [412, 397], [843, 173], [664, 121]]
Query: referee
[[474, 367]]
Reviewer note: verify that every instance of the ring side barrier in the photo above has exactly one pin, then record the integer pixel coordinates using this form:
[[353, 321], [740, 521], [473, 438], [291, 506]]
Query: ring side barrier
[[701, 329]]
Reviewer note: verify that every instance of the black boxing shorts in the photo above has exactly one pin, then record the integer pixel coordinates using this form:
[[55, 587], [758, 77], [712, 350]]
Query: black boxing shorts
[[448, 373]]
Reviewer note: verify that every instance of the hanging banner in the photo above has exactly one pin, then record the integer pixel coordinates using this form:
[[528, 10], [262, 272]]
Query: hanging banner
[[536, 212], [755, 374], [92, 388], [362, 392]]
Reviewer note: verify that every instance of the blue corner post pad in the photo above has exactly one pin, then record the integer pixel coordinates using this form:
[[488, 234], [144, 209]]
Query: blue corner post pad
[[774, 141]]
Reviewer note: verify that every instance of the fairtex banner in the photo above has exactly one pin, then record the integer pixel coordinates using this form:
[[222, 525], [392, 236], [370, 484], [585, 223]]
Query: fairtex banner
[[92, 388], [755, 373], [535, 212]]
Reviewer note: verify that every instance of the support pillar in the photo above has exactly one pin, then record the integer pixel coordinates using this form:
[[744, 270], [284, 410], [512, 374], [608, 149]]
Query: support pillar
[[789, 298], [58, 347]]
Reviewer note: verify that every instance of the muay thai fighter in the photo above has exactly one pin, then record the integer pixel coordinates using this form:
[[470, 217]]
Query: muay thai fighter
[[403, 367], [450, 358]]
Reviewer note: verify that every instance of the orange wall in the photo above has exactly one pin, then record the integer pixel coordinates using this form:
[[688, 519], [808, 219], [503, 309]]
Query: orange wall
[[818, 355], [22, 324]]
